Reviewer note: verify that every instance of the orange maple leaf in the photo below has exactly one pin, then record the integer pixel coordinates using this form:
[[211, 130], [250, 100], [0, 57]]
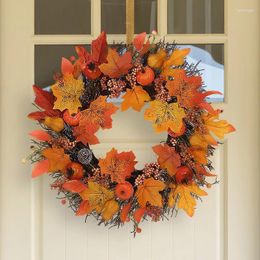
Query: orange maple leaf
[[134, 98], [118, 165], [149, 192], [117, 65], [168, 158], [183, 194], [187, 90], [85, 133], [199, 154], [57, 158], [68, 93], [99, 113], [165, 116]]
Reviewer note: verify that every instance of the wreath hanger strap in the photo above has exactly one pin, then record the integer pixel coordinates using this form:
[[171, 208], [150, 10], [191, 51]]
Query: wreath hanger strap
[[130, 23]]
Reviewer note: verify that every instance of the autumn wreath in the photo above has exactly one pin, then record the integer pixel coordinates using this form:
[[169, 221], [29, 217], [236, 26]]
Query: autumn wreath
[[111, 188]]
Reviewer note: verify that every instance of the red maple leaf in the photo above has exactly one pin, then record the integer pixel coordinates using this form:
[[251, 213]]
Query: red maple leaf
[[99, 49], [44, 100]]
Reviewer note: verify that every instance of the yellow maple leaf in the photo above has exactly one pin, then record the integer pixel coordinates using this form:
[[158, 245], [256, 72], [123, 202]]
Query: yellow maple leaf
[[183, 194], [159, 60], [109, 210], [202, 140], [100, 199], [218, 127], [176, 58], [68, 94], [156, 60], [96, 194], [149, 192], [165, 116], [134, 98]]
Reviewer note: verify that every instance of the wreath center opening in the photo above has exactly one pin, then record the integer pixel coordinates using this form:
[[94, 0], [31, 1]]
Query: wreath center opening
[[129, 132]]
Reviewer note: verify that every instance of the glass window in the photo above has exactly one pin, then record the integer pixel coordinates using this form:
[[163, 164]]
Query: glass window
[[113, 16], [62, 17], [48, 62], [145, 16], [195, 16], [210, 60]]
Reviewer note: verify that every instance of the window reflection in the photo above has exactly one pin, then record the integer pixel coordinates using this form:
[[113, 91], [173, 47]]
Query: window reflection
[[210, 60], [195, 16], [48, 62], [62, 17], [113, 16], [145, 16]]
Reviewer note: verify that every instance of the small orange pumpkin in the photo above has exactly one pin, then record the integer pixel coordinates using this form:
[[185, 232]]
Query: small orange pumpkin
[[92, 71], [54, 123], [71, 119], [183, 173], [124, 191], [145, 77], [75, 171]]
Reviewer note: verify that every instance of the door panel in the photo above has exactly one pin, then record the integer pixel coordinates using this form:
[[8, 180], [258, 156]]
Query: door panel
[[34, 225], [77, 240]]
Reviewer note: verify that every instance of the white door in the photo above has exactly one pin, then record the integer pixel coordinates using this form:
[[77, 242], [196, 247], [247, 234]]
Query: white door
[[34, 225]]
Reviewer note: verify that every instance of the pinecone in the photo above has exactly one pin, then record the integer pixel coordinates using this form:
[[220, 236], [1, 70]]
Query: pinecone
[[85, 156]]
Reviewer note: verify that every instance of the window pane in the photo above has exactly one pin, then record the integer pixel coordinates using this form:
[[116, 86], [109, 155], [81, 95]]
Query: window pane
[[48, 62], [145, 16], [211, 64], [62, 17], [195, 16], [113, 16]]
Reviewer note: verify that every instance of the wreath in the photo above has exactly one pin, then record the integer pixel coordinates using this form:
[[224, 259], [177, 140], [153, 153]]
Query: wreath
[[111, 189]]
